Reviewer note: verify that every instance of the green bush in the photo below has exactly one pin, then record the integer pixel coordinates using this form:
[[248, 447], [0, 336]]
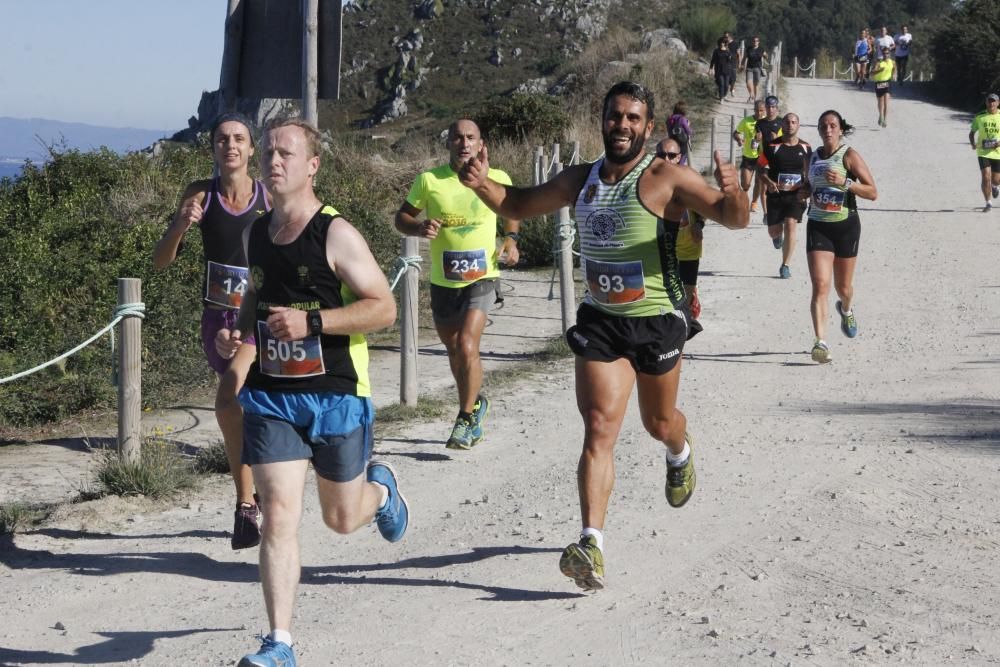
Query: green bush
[[160, 472], [523, 117], [965, 48], [701, 26]]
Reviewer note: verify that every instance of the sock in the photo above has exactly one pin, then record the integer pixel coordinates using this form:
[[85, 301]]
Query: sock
[[847, 312], [384, 490], [283, 636], [467, 416], [598, 535], [678, 460]]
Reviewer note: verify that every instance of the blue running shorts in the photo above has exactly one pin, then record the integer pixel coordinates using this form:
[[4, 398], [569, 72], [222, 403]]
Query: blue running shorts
[[334, 431]]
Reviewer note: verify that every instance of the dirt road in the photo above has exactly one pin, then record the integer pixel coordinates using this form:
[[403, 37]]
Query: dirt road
[[845, 514]]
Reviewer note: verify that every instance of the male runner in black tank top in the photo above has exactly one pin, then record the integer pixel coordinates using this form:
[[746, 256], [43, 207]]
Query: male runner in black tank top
[[314, 290], [223, 208], [787, 161]]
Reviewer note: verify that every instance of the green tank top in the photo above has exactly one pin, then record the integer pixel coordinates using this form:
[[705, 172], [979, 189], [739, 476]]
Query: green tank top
[[627, 252], [829, 202]]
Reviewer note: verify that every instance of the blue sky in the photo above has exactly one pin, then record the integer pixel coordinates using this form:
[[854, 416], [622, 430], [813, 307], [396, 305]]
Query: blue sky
[[120, 63]]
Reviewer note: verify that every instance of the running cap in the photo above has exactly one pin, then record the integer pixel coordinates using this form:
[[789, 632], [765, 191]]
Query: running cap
[[993, 97], [234, 116], [771, 101]]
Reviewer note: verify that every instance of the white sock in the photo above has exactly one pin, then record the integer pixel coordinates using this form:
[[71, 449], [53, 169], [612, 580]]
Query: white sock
[[283, 636], [385, 494], [678, 460], [598, 535]]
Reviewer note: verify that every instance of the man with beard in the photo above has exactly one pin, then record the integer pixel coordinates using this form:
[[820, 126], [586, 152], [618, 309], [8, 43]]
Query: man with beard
[[632, 324], [464, 269], [786, 163]]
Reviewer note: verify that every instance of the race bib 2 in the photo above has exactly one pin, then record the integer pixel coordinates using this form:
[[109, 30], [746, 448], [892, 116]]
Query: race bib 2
[[615, 283], [464, 265], [288, 359], [788, 182], [226, 284], [829, 200]]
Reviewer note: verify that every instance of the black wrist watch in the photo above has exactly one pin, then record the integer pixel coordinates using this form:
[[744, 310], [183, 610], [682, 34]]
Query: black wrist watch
[[512, 235], [315, 322]]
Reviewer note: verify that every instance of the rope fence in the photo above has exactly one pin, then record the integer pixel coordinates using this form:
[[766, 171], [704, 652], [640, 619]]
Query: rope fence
[[120, 313]]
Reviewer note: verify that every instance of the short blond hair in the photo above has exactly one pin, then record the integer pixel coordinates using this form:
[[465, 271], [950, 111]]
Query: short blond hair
[[313, 137]]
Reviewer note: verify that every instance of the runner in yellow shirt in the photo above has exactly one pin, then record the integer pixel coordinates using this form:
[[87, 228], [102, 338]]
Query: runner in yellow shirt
[[882, 78], [986, 125], [464, 270], [746, 136]]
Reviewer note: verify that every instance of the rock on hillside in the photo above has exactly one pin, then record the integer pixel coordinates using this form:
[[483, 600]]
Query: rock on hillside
[[458, 52]]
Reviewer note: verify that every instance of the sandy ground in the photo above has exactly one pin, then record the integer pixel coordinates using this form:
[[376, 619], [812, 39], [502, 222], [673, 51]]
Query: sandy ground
[[845, 514]]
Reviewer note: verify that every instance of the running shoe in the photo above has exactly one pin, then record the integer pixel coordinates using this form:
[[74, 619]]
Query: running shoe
[[753, 207], [694, 305], [848, 324], [246, 527], [480, 409], [583, 562], [996, 191], [392, 519], [778, 241], [988, 207], [681, 480], [271, 654], [821, 353], [784, 271], [465, 434]]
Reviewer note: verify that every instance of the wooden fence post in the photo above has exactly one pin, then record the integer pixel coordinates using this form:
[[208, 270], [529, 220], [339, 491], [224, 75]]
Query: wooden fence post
[[564, 241], [130, 374], [408, 305], [310, 61]]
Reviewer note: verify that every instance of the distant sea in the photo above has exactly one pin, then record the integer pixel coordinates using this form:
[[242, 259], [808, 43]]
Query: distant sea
[[10, 167]]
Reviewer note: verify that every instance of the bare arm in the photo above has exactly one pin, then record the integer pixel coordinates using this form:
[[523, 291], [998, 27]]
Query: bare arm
[[407, 222], [728, 206], [864, 184], [520, 203], [188, 213], [972, 139]]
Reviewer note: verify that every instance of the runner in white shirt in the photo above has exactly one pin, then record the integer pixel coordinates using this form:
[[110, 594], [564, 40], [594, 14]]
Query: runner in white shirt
[[882, 41], [903, 41]]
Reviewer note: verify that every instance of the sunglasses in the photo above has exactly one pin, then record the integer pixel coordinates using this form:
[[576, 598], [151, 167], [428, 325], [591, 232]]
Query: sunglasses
[[672, 156]]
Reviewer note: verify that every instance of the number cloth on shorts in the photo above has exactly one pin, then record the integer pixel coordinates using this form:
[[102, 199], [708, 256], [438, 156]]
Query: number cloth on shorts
[[628, 254], [298, 275], [334, 431], [224, 282], [464, 250], [652, 345]]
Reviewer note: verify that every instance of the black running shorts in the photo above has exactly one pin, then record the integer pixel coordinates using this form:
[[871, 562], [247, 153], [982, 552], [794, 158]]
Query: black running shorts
[[653, 345], [992, 163], [784, 205], [748, 163], [840, 238]]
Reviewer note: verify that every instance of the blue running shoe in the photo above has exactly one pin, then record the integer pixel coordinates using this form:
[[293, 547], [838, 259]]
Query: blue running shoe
[[271, 654], [784, 271], [480, 409], [395, 516], [848, 324], [777, 241]]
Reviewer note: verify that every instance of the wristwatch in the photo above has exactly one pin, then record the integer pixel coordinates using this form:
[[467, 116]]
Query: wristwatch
[[512, 235], [315, 322]]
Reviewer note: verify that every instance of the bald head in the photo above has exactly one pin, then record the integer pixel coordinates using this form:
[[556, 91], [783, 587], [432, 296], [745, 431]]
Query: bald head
[[464, 142]]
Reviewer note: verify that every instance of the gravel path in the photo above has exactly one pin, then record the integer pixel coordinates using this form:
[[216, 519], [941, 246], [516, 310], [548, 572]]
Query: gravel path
[[845, 514]]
